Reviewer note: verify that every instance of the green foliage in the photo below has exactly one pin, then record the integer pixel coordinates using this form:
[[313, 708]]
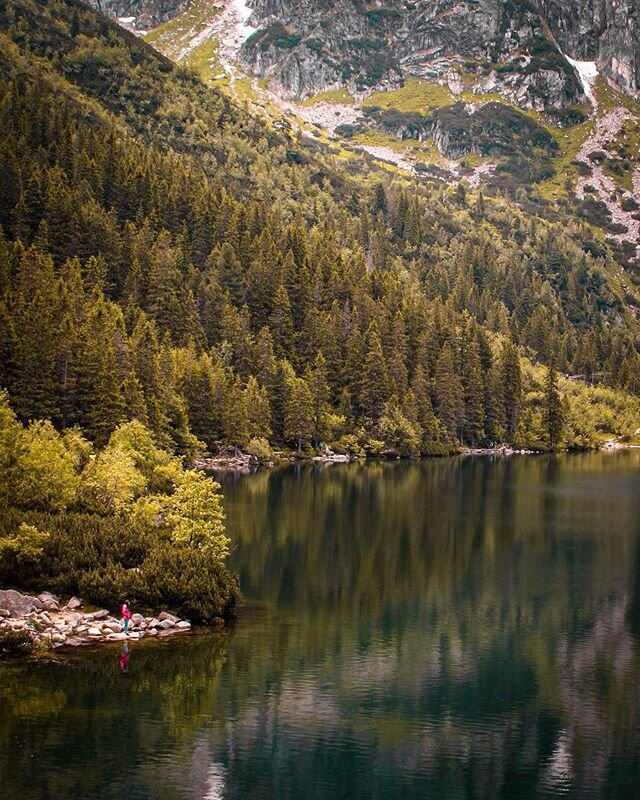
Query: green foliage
[[553, 412], [170, 262], [195, 517], [48, 477], [16, 643], [397, 432], [260, 449], [23, 551], [111, 482]]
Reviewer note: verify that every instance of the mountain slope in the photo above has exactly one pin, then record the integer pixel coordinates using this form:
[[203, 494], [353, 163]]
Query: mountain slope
[[169, 257], [485, 91]]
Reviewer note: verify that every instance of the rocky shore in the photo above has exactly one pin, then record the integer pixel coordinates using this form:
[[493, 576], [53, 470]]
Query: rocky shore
[[52, 623]]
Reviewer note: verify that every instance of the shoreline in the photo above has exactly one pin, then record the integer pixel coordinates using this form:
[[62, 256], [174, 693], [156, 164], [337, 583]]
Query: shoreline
[[50, 624], [242, 463]]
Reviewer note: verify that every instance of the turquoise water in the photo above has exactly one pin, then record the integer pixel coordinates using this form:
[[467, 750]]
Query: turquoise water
[[456, 628]]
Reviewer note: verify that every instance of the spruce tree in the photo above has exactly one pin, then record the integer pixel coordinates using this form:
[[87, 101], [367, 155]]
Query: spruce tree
[[448, 391], [511, 378], [552, 410], [374, 391], [298, 415]]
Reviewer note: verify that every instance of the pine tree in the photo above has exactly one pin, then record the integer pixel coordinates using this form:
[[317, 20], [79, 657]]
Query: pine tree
[[374, 391], [316, 378], [258, 410], [511, 378], [231, 274], [448, 391], [281, 323], [298, 415], [473, 427], [235, 421], [552, 410]]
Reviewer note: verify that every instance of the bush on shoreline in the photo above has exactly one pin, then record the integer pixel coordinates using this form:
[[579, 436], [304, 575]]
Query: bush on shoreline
[[128, 520]]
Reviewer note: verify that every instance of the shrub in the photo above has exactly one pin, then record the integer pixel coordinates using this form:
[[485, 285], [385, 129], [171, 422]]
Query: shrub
[[260, 449], [16, 643]]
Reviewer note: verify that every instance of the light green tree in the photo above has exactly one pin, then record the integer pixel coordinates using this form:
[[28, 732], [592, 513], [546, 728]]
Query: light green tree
[[26, 547], [110, 482], [195, 515], [46, 469]]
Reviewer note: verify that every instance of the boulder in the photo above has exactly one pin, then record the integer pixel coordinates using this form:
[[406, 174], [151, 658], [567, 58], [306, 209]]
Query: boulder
[[114, 627], [166, 624], [153, 622], [165, 615], [73, 641], [49, 601], [4, 612], [18, 604], [151, 632], [135, 635], [183, 625], [75, 602], [94, 632], [103, 614], [117, 637], [136, 619]]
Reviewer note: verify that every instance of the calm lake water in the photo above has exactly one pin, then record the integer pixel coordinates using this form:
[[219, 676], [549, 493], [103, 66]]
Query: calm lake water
[[458, 628]]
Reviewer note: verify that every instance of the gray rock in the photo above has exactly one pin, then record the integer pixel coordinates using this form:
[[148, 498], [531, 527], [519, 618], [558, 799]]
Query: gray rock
[[153, 622], [183, 625], [103, 614], [165, 615], [18, 604], [117, 637], [136, 619], [74, 641], [115, 627], [147, 13], [166, 624], [94, 632], [75, 602], [49, 601]]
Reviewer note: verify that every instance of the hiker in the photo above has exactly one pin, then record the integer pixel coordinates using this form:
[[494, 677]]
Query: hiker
[[125, 612]]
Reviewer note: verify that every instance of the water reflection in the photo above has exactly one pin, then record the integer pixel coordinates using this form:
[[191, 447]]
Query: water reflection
[[450, 629], [125, 655]]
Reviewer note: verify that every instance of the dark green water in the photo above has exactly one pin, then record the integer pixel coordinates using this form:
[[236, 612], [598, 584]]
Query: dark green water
[[443, 630]]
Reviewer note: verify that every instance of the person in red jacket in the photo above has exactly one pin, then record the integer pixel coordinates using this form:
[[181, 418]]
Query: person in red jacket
[[125, 611]]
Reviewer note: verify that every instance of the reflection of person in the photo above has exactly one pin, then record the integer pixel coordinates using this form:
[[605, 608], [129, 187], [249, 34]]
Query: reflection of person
[[123, 661], [125, 612]]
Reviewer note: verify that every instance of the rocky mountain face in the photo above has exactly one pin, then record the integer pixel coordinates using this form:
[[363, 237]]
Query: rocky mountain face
[[309, 46], [605, 31], [147, 13]]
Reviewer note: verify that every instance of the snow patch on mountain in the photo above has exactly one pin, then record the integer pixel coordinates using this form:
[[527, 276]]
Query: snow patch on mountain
[[587, 72], [243, 13]]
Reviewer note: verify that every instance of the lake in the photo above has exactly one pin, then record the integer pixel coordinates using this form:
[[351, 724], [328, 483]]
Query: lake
[[454, 628]]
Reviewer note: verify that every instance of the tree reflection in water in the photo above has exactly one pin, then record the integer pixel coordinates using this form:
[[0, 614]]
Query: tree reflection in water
[[451, 629]]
